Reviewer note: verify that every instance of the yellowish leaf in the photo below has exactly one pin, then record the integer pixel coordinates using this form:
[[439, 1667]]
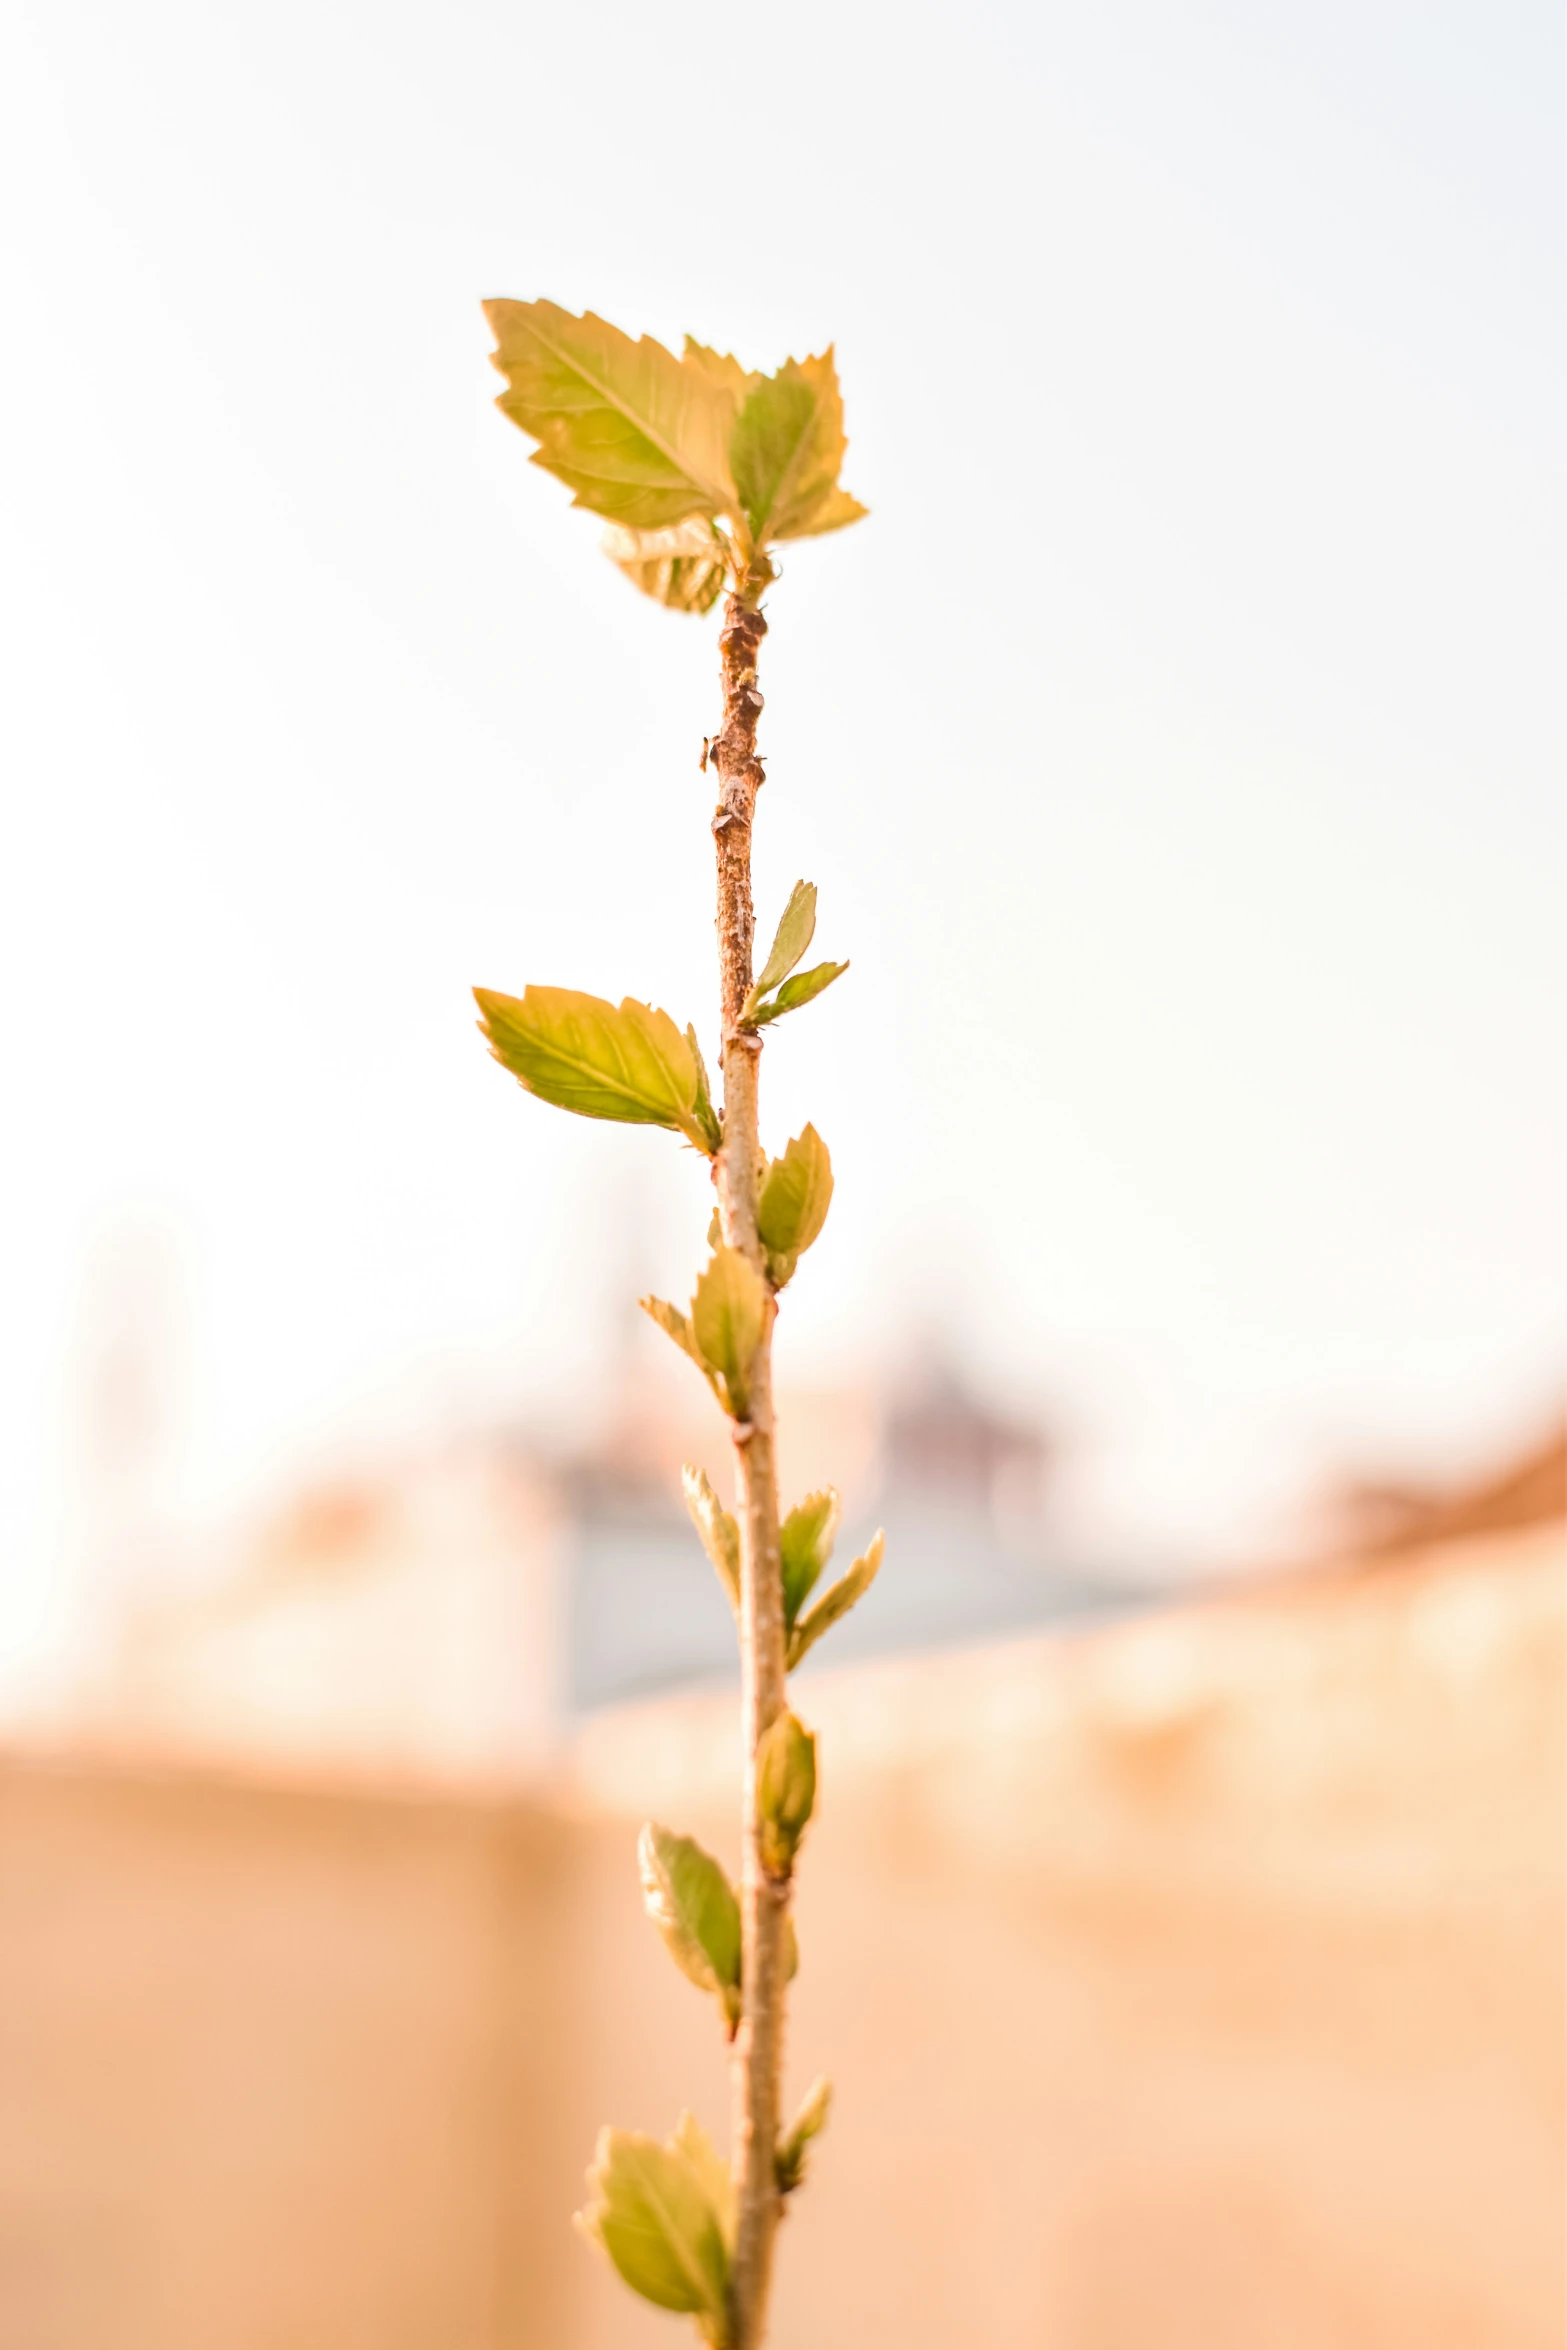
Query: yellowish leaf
[[808, 2123], [796, 1194], [728, 1315], [675, 1325], [796, 929], [637, 435], [722, 368], [627, 1062], [785, 1790], [702, 1108], [710, 2167], [835, 1603], [683, 566], [787, 448], [801, 988], [836, 511], [720, 1535], [805, 1542], [650, 2209], [693, 1905]]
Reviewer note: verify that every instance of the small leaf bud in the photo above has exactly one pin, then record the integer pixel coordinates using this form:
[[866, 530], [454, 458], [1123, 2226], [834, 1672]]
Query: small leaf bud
[[807, 2124], [785, 1791]]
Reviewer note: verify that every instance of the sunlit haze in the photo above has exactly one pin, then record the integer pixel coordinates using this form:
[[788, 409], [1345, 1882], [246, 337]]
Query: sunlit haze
[[1176, 749]]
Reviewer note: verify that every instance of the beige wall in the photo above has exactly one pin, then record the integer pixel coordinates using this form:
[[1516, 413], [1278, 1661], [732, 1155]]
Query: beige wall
[[1198, 1986]]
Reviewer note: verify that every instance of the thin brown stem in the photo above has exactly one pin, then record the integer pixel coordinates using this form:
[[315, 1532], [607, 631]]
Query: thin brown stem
[[764, 1901]]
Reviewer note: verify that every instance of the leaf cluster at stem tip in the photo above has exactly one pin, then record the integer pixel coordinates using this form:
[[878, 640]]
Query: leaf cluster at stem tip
[[697, 464]]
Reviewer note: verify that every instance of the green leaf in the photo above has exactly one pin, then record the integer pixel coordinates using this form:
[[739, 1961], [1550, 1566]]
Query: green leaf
[[637, 435], [807, 2124], [728, 1316], [674, 1325], [796, 929], [692, 1903], [683, 566], [835, 1604], [706, 1116], [805, 1541], [797, 991], [795, 1196], [627, 1062], [787, 448], [651, 2211], [711, 2168], [720, 1535], [785, 1790]]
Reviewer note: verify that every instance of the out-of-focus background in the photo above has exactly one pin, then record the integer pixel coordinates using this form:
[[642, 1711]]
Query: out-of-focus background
[[1178, 753]]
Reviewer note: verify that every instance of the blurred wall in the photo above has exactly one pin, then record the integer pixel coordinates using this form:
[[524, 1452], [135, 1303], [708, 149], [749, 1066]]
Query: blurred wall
[[277, 2068], [1199, 1984]]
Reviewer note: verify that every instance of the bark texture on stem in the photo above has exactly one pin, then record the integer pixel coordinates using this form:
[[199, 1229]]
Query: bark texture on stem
[[764, 1901]]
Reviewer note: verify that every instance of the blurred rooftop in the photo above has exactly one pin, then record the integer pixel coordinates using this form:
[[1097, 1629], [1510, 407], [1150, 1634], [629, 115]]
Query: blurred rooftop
[[455, 1615]]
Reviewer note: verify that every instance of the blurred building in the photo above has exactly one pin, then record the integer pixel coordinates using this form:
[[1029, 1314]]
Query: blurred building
[[406, 1625], [1379, 1518], [454, 1616], [960, 1491], [454, 1613]]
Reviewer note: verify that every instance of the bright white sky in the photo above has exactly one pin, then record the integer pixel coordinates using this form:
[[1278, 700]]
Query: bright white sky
[[1177, 748]]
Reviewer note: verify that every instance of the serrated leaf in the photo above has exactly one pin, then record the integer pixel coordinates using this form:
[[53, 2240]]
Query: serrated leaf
[[801, 989], [796, 929], [836, 512], [650, 2210], [720, 1535], [787, 448], [795, 1196], [683, 567], [706, 1116], [637, 436], [835, 1604], [627, 1062], [674, 1325], [692, 1903], [711, 2168], [805, 1541], [725, 370], [728, 1316]]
